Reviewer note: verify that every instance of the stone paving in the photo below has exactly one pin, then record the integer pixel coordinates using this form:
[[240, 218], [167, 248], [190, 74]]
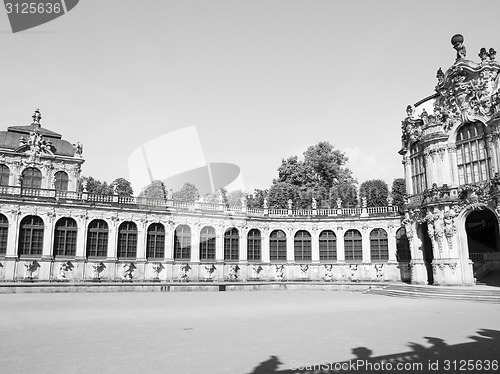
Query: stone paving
[[238, 332]]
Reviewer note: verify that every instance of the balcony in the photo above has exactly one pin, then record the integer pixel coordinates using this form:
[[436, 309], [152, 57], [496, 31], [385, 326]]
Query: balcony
[[84, 199]]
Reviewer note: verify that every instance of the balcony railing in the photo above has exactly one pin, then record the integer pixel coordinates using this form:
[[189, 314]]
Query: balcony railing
[[84, 198]]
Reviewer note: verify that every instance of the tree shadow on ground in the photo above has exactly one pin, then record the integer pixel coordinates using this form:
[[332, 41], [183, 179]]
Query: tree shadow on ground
[[480, 355]]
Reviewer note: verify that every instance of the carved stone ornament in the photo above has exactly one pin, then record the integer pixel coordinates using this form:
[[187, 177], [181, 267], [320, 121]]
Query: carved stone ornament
[[184, 272], [328, 272], [278, 275]]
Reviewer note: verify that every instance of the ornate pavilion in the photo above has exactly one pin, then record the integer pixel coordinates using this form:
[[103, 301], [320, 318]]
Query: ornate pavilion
[[451, 157]]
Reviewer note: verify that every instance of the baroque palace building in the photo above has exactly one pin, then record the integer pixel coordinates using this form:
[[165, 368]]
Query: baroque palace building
[[451, 156], [51, 231]]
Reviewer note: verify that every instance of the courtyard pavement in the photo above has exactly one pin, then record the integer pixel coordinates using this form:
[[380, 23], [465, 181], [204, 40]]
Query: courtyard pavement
[[243, 333]]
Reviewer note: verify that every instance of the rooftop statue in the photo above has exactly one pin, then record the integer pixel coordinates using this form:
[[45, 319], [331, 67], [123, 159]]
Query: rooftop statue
[[458, 43]]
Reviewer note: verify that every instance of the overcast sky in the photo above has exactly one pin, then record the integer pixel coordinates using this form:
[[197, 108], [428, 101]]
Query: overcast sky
[[260, 79]]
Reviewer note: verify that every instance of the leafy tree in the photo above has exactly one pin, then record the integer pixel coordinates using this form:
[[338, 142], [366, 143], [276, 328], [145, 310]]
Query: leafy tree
[[280, 193], [256, 200], [376, 192], [398, 192], [95, 186], [347, 192], [188, 192], [323, 168], [122, 187], [155, 190]]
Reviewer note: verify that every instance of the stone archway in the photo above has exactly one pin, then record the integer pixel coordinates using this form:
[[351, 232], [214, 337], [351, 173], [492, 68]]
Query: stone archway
[[481, 227]]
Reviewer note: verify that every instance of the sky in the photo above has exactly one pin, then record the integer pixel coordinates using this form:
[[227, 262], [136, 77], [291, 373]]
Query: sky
[[261, 80]]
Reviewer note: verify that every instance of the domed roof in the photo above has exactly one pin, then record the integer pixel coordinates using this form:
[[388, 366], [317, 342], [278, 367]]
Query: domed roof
[[12, 138]]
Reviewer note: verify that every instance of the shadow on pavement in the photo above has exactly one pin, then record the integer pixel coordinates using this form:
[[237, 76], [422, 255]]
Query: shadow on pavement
[[482, 355]]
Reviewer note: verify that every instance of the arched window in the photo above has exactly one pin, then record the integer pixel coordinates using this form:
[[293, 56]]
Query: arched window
[[155, 247], [277, 246], [402, 245], [353, 245], [4, 230], [61, 181], [31, 236], [327, 246], [182, 243], [302, 246], [97, 238], [32, 178], [417, 162], [231, 245], [254, 245], [65, 237], [379, 248], [4, 175], [127, 240], [207, 243], [472, 156]]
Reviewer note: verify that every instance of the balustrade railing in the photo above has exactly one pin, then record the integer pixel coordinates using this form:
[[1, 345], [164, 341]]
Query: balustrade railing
[[148, 203]]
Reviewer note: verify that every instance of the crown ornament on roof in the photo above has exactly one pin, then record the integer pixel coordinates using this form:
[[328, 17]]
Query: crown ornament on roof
[[36, 117]]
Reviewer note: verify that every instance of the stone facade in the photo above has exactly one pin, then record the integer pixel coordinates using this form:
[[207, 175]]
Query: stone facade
[[52, 231], [451, 157]]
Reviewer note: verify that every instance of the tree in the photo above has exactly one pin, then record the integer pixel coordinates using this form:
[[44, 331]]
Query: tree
[[188, 192], [323, 168], [280, 193], [256, 200], [95, 186], [122, 187], [155, 190], [346, 191], [398, 192], [375, 191]]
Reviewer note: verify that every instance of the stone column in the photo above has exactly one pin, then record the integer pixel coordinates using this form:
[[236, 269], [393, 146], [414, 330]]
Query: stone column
[[48, 235], [195, 244], [243, 255], [81, 237], [142, 228], [365, 240], [391, 243], [315, 246], [112, 239], [290, 248], [219, 244], [265, 258], [169, 242], [339, 233]]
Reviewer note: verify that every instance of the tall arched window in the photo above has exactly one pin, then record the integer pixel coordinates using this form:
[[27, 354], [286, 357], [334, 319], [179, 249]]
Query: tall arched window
[[302, 246], [32, 178], [207, 243], [31, 236], [182, 243], [4, 175], [231, 245], [379, 247], [327, 246], [472, 155], [127, 240], [155, 247], [403, 253], [4, 231], [277, 246], [97, 238], [254, 245], [61, 181], [65, 237], [353, 245], [417, 162]]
